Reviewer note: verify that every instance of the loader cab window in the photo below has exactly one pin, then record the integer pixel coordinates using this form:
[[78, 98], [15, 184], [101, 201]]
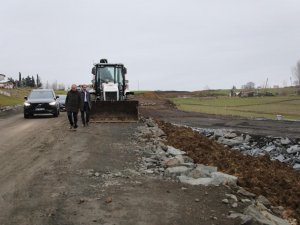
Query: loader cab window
[[109, 74]]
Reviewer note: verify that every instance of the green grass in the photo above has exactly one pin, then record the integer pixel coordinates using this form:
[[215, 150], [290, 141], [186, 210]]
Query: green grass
[[60, 92], [267, 107], [16, 98]]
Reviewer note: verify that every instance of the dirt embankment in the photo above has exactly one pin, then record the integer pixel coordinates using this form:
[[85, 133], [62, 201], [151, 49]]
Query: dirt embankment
[[276, 181]]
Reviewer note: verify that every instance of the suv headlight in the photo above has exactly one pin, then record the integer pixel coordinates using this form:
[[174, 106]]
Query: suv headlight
[[52, 103], [26, 104]]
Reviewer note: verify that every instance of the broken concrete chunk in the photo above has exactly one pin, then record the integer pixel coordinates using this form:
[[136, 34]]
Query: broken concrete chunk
[[222, 178], [270, 148], [174, 151], [293, 149], [285, 141], [176, 171], [264, 217], [233, 197], [263, 200], [296, 166], [245, 193], [200, 181], [202, 171]]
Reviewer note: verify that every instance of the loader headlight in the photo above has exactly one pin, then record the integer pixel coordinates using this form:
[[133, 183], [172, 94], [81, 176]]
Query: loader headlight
[[26, 104], [52, 103]]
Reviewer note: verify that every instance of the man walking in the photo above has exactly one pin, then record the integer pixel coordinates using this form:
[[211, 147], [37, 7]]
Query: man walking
[[73, 102], [85, 106]]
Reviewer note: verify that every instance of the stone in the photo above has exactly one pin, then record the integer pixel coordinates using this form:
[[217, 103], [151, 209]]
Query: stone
[[174, 151], [187, 159], [285, 141], [225, 201], [202, 171], [171, 162], [245, 193], [263, 217], [200, 181], [293, 149], [163, 146], [263, 200], [97, 174], [222, 178], [108, 200], [230, 135], [197, 200], [229, 142], [176, 171], [280, 158], [233, 197], [148, 171], [245, 200], [270, 148], [296, 166], [247, 138], [234, 205]]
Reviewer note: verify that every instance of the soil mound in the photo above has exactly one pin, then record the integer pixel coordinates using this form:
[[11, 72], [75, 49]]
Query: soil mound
[[276, 181]]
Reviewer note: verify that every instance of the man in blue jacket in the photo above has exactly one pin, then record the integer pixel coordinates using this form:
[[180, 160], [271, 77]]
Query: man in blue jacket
[[85, 106]]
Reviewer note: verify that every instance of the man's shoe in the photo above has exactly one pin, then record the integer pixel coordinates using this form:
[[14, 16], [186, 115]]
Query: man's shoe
[[71, 127], [75, 126]]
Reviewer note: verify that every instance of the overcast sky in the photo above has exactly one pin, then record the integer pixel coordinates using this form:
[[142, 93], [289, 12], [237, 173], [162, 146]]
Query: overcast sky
[[165, 44]]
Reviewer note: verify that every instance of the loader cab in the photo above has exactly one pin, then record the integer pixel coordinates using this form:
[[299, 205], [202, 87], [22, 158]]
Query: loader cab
[[109, 81]]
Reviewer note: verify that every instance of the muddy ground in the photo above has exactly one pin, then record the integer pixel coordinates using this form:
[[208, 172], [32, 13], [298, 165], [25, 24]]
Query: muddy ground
[[51, 175]]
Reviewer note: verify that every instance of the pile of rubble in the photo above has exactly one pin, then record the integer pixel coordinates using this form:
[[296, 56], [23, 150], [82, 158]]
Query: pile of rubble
[[283, 149], [168, 162], [8, 108]]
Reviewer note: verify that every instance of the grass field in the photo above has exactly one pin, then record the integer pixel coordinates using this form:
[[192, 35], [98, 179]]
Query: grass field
[[16, 98], [252, 107]]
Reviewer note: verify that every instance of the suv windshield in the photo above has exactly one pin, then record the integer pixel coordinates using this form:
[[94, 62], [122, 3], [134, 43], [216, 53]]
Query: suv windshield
[[41, 94]]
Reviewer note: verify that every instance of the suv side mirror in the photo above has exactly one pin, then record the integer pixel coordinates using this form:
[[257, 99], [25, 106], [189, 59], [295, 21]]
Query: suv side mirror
[[25, 97], [57, 97]]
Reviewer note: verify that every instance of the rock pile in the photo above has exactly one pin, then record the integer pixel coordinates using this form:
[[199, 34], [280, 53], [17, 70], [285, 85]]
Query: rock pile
[[8, 108], [283, 149], [171, 163]]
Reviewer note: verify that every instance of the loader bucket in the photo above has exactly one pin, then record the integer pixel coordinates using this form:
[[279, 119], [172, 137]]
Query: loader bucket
[[114, 111]]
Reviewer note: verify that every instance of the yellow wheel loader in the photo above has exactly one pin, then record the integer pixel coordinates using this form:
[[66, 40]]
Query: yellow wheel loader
[[110, 95]]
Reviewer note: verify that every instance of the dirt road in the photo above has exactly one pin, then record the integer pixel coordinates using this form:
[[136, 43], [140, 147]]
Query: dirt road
[[50, 175], [161, 109]]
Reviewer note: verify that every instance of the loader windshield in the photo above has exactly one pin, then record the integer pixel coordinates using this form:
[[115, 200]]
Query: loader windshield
[[110, 74]]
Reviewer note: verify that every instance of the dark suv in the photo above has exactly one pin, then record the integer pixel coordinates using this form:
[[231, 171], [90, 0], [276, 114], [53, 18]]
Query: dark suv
[[41, 101]]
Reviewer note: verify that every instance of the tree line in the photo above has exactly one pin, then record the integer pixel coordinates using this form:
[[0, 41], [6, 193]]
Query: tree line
[[29, 81]]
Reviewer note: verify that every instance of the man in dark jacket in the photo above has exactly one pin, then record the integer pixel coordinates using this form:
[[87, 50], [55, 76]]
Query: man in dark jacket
[[85, 106], [73, 102]]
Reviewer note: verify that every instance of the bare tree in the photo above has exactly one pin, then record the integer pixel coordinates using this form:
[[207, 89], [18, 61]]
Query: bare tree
[[296, 73]]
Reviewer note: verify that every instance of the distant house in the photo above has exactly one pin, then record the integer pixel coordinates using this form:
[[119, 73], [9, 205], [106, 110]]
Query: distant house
[[2, 77], [5, 83]]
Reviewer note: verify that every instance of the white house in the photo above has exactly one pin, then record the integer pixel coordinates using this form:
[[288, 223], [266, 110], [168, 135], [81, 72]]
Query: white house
[[5, 83], [2, 77]]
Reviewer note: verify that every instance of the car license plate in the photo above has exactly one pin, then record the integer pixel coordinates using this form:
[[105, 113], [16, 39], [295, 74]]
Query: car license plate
[[40, 109]]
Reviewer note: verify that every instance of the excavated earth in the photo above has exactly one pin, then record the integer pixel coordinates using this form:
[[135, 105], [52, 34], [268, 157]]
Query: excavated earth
[[272, 179], [275, 180]]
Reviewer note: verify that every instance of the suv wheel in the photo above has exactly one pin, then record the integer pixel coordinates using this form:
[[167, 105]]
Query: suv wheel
[[56, 114]]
